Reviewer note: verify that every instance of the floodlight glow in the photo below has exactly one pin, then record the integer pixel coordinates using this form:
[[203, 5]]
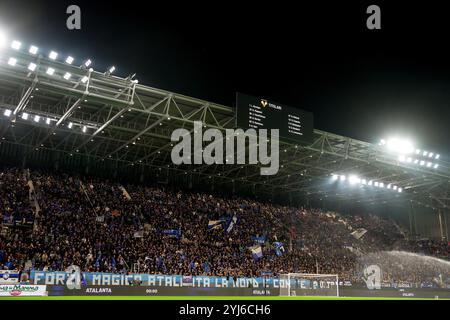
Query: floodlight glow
[[12, 61], [429, 164], [32, 66], [84, 79], [381, 185], [422, 163], [425, 153], [70, 125], [376, 184], [416, 161], [417, 151], [53, 55], [69, 60], [112, 69], [343, 178], [47, 121], [401, 158], [7, 112], [33, 50], [370, 183], [335, 177], [388, 186], [87, 63], [409, 160], [67, 76], [37, 118], [363, 181], [400, 146], [84, 129], [16, 45], [395, 187], [431, 154], [50, 71], [436, 166], [400, 190], [437, 156], [382, 142], [353, 179], [25, 116]]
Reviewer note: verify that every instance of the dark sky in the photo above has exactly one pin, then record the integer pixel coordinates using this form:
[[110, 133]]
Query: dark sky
[[360, 83]]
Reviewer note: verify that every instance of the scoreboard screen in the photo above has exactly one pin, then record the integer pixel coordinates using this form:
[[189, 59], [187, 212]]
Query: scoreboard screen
[[294, 124]]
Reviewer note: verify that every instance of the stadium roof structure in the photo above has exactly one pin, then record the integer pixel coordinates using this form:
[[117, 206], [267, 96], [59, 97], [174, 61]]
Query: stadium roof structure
[[63, 113]]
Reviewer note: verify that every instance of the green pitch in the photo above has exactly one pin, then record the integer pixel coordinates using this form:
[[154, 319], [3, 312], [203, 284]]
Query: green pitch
[[207, 298]]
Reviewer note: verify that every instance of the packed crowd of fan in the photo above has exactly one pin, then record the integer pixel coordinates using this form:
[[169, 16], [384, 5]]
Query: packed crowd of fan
[[99, 226]]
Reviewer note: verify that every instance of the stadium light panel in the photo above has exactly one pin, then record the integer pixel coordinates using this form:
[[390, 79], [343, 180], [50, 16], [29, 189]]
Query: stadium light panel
[[370, 183], [69, 60], [429, 164], [334, 177], [342, 177], [67, 76], [409, 160], [32, 66], [364, 181], [50, 71], [416, 161], [422, 163], [376, 184], [87, 63], [70, 125], [394, 187], [53, 55], [431, 154], [25, 116], [37, 118], [16, 45], [401, 146], [33, 50], [12, 61], [437, 156], [47, 121], [400, 190], [7, 112], [417, 151], [84, 129], [84, 79], [112, 69], [436, 166], [401, 158], [354, 180], [425, 153], [388, 186], [381, 185]]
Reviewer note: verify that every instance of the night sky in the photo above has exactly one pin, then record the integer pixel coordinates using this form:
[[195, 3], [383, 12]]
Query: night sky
[[366, 84]]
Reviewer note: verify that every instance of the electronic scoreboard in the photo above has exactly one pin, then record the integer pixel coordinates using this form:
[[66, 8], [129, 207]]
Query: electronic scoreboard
[[294, 124]]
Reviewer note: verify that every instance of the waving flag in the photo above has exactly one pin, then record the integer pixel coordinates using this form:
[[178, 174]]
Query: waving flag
[[214, 224], [279, 248], [231, 223], [256, 251]]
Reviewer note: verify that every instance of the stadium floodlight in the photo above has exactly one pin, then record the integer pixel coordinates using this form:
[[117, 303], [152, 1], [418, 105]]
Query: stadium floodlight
[[388, 186], [53, 55], [409, 160], [37, 118], [33, 49], [7, 112], [69, 60], [382, 142], [16, 45], [25, 116], [422, 163], [401, 146], [354, 179], [429, 164], [47, 121], [401, 158], [67, 76], [416, 161], [437, 156], [334, 177], [381, 185], [70, 125], [112, 69], [84, 79], [32, 66], [417, 151], [394, 187], [87, 63], [431, 154], [370, 183], [342, 177], [436, 166], [425, 153], [400, 190], [12, 61], [376, 184], [364, 181], [50, 71], [84, 129]]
